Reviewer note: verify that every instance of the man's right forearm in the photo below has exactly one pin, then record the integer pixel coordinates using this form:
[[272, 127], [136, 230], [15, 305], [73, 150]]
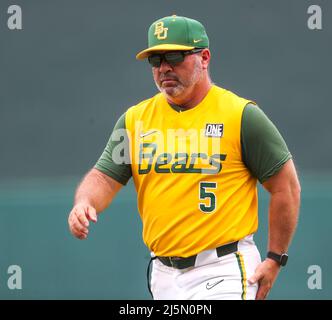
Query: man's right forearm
[[96, 189]]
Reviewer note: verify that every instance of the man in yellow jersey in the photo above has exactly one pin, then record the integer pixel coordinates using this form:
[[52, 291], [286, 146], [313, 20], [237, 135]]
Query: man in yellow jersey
[[195, 152]]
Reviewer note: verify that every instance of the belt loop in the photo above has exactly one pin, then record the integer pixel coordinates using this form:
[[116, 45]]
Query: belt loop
[[171, 261]]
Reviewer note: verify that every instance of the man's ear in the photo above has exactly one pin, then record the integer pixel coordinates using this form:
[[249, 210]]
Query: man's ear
[[206, 56]]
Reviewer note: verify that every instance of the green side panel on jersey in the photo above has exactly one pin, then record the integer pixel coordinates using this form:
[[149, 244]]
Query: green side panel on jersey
[[264, 150], [120, 172]]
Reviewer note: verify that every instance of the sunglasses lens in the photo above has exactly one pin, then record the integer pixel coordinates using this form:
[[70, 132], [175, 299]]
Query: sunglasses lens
[[174, 58], [155, 60], [171, 58]]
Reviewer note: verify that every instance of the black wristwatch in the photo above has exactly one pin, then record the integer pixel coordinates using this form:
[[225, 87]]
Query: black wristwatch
[[280, 258]]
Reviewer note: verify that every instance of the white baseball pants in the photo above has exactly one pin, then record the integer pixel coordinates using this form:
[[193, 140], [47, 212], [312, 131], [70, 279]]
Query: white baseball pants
[[212, 277]]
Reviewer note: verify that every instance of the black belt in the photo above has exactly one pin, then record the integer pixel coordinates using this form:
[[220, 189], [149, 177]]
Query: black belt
[[182, 263]]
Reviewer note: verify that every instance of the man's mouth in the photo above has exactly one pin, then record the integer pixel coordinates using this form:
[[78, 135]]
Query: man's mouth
[[168, 81]]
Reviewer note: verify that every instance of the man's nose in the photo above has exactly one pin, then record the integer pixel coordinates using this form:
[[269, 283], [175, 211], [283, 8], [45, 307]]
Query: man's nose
[[164, 67]]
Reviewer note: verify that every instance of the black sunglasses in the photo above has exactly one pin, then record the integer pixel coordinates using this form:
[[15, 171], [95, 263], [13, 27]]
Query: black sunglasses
[[171, 58]]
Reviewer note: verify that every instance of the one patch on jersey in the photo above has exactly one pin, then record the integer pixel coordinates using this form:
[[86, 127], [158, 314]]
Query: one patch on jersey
[[214, 130]]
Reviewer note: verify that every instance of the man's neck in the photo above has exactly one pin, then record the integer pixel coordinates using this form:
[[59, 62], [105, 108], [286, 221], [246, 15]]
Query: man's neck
[[193, 98]]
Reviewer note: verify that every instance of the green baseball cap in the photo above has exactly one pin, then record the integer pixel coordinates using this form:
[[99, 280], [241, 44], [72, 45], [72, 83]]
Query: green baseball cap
[[175, 33]]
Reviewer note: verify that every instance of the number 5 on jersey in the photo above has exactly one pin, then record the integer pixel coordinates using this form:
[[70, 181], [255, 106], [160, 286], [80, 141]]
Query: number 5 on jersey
[[205, 193]]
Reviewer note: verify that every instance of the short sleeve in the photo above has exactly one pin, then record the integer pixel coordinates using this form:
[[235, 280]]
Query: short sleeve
[[264, 151], [114, 161]]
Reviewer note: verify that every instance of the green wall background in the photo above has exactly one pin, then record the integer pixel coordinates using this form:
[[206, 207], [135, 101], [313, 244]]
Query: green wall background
[[70, 73], [112, 263]]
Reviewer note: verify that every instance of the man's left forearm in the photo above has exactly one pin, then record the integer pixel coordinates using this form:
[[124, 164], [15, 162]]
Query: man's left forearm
[[283, 217], [284, 188]]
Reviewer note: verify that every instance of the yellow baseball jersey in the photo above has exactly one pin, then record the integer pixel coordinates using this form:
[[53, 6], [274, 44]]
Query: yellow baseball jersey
[[195, 191], [190, 197]]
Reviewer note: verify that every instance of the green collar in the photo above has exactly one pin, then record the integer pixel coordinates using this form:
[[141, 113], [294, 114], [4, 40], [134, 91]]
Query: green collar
[[177, 108]]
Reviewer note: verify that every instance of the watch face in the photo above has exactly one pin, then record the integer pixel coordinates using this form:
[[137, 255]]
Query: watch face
[[283, 259]]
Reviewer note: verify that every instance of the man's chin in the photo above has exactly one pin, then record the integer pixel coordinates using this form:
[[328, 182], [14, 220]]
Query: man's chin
[[171, 91]]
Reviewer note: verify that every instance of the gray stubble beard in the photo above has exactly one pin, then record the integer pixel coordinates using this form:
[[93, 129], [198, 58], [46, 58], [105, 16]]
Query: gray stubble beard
[[176, 91]]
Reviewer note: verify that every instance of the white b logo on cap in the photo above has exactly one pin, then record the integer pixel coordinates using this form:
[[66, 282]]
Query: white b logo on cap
[[160, 31]]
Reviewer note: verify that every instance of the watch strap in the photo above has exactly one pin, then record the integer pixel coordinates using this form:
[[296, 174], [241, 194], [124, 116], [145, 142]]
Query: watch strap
[[280, 258]]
